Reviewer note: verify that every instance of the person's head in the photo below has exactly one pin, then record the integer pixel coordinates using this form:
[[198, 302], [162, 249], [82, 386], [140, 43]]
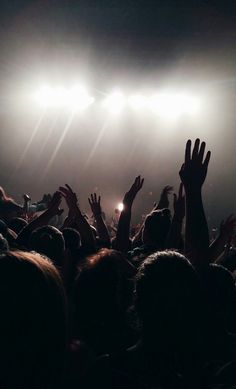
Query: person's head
[[102, 291], [72, 239], [156, 228], [48, 240], [219, 285], [17, 224], [33, 321], [168, 297]]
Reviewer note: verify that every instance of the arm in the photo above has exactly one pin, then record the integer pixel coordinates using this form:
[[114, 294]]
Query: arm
[[174, 237], [95, 204], [193, 174], [227, 231], [87, 238], [42, 220], [164, 200], [123, 230]]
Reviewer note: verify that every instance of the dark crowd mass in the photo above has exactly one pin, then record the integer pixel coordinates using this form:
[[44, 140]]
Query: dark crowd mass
[[92, 302]]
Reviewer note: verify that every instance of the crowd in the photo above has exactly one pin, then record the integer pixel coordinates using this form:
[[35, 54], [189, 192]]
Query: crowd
[[86, 305]]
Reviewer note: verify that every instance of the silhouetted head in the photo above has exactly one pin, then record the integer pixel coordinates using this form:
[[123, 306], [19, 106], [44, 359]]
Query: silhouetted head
[[168, 298], [33, 322], [102, 291], [48, 240], [17, 224], [156, 228], [72, 239], [221, 296]]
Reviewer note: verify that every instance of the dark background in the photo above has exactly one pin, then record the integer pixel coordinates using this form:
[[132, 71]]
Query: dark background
[[138, 46]]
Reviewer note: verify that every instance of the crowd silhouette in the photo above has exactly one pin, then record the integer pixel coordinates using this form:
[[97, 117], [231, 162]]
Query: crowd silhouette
[[87, 304]]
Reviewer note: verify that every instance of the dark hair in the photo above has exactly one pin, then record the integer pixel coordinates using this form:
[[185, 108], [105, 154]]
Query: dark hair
[[102, 292], [48, 240], [156, 228], [72, 238], [168, 297], [33, 321]]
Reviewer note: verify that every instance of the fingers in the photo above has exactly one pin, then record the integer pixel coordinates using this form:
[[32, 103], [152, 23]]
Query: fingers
[[69, 188], [207, 159], [196, 149], [202, 151], [94, 199], [188, 151]]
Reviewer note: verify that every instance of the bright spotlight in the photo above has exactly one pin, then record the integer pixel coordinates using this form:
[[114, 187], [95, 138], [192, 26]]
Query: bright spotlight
[[78, 98], [137, 101], [120, 207], [74, 98], [173, 105], [115, 102], [44, 96]]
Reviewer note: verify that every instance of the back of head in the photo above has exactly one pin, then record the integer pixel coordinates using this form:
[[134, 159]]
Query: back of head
[[168, 298], [221, 296], [72, 239], [33, 321], [48, 240], [102, 289], [156, 228]]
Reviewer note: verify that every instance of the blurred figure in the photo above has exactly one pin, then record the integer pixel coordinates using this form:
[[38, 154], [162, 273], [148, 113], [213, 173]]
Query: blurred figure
[[33, 322]]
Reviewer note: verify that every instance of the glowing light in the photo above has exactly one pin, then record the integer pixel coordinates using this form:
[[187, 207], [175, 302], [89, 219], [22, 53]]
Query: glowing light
[[44, 96], [173, 105], [78, 98], [115, 102], [137, 101], [120, 207], [75, 98]]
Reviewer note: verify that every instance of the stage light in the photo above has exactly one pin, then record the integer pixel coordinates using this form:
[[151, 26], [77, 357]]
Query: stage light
[[74, 98], [115, 102], [137, 101], [44, 96], [120, 207], [78, 98], [173, 105]]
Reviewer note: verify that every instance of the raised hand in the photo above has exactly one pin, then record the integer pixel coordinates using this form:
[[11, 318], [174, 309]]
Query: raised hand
[[95, 204], [164, 200], [69, 195], [54, 206], [26, 198], [194, 170], [179, 204], [131, 194]]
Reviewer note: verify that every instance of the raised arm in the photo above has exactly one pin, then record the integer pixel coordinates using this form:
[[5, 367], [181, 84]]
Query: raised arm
[[123, 230], [174, 239], [42, 220], [87, 238], [193, 174], [227, 232], [95, 204], [164, 198]]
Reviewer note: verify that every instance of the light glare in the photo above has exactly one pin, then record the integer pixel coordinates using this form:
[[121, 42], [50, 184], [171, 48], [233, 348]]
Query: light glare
[[120, 207], [115, 102]]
